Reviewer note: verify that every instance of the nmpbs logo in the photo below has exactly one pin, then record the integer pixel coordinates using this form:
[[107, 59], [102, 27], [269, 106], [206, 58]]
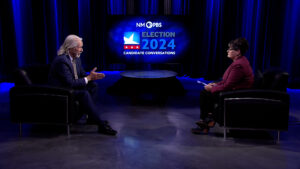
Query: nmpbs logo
[[149, 24]]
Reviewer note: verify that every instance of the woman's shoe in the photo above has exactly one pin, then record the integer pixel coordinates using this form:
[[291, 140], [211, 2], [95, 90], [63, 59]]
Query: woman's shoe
[[201, 123], [200, 130], [209, 123]]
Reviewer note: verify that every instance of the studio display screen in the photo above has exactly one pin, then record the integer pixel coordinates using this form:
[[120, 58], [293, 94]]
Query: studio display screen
[[147, 39]]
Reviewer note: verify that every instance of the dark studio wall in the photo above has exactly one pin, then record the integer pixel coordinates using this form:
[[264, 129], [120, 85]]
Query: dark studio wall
[[31, 31]]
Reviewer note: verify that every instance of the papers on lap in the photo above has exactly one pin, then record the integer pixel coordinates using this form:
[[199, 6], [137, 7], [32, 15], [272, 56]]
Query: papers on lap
[[200, 82]]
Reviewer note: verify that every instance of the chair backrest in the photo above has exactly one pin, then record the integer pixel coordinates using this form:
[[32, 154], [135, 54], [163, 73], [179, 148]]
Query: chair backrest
[[29, 75], [274, 79], [21, 77]]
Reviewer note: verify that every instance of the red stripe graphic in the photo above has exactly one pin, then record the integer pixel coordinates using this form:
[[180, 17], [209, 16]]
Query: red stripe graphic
[[132, 47]]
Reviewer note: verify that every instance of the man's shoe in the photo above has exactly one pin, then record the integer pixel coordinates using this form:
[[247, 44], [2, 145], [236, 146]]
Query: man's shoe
[[106, 129], [91, 121]]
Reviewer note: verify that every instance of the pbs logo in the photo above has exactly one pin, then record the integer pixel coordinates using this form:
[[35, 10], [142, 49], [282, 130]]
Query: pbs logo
[[150, 24]]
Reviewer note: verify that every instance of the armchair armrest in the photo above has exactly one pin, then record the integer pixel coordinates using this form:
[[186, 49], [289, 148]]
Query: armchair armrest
[[42, 104], [254, 109], [46, 89], [256, 93]]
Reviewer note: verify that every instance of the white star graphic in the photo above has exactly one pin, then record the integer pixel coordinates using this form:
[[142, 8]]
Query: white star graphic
[[129, 40]]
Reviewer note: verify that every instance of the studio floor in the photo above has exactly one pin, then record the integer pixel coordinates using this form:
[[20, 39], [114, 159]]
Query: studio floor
[[150, 136]]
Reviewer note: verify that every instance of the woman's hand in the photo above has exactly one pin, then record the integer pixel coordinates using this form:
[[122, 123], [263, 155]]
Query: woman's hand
[[209, 86]]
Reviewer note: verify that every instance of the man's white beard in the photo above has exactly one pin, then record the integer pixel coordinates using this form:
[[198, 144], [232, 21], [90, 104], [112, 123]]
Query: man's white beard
[[78, 56]]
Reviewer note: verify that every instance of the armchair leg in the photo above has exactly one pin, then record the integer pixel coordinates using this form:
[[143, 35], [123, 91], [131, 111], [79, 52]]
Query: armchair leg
[[68, 129], [20, 129], [278, 136]]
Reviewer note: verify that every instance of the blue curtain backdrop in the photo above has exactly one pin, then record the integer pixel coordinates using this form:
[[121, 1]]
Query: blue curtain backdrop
[[32, 31]]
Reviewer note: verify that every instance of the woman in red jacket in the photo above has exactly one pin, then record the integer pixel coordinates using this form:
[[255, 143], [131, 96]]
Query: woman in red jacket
[[239, 75]]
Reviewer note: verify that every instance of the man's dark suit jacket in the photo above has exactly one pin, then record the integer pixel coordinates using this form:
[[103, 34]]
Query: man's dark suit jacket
[[239, 75], [62, 73]]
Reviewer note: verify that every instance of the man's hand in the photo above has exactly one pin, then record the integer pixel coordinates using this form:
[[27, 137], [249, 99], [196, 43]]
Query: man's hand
[[94, 75]]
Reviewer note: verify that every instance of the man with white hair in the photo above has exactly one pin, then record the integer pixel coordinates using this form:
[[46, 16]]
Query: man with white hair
[[66, 71]]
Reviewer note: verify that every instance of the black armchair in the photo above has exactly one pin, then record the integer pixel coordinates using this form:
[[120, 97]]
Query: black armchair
[[33, 101], [265, 107]]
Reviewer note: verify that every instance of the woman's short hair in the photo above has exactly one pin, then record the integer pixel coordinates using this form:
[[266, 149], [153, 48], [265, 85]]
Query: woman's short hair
[[71, 41], [239, 44]]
